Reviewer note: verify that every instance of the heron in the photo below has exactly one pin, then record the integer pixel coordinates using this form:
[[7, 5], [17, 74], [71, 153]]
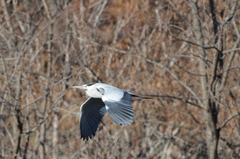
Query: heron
[[104, 98]]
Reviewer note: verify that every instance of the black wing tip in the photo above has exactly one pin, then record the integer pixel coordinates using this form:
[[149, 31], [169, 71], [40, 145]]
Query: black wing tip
[[89, 136], [86, 137]]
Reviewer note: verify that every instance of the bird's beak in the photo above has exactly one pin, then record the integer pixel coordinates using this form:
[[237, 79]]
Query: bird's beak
[[79, 87]]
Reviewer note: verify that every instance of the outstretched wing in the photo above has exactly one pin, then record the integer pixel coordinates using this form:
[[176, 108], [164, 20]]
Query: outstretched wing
[[119, 106], [91, 114]]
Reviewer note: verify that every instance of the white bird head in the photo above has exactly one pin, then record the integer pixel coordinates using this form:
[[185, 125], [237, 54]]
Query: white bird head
[[90, 90]]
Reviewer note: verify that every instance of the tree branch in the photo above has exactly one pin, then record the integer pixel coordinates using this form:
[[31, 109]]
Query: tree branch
[[227, 120]]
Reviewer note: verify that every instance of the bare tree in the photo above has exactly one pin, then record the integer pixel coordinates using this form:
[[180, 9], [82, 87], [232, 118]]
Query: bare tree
[[185, 54]]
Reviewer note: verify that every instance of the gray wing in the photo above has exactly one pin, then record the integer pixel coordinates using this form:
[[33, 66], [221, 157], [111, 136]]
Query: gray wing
[[91, 114], [120, 110]]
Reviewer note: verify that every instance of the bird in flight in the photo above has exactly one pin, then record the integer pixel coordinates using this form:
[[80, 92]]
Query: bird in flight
[[104, 98]]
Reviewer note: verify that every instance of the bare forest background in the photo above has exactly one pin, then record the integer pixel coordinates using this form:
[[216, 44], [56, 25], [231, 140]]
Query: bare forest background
[[184, 53]]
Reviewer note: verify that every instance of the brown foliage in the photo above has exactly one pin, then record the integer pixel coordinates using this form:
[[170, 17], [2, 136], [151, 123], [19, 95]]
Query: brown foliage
[[145, 47]]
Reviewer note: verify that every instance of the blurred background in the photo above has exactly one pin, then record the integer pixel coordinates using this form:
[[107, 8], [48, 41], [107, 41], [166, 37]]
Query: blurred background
[[184, 53]]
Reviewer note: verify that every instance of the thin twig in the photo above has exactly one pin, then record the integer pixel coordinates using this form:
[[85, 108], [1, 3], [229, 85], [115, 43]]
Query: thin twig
[[227, 120], [185, 100]]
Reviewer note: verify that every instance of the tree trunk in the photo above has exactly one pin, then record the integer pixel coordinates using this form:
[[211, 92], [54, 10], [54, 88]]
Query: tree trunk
[[210, 115]]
